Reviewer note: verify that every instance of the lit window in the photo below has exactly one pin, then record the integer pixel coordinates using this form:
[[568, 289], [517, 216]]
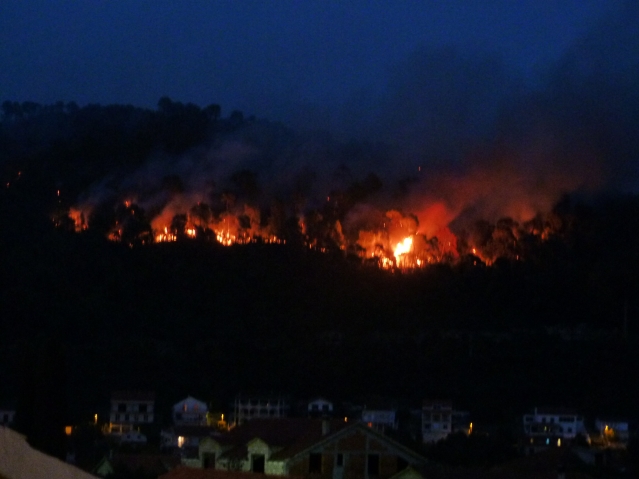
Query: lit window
[[180, 441]]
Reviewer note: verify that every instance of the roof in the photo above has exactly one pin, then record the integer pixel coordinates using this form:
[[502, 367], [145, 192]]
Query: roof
[[555, 411], [300, 449], [18, 460], [132, 396], [277, 431], [189, 399], [192, 473], [195, 431], [289, 434]]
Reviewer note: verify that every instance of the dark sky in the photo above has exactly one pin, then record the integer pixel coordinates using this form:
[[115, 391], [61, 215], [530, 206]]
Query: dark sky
[[273, 59]]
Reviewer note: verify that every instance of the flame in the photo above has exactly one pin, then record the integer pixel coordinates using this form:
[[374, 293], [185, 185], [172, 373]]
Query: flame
[[79, 219], [403, 248]]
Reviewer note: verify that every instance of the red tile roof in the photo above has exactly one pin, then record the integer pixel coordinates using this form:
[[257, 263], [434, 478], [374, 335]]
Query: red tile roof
[[291, 434]]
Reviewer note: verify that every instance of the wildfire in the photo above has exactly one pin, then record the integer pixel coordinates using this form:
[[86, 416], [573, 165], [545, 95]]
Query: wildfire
[[391, 240], [403, 248]]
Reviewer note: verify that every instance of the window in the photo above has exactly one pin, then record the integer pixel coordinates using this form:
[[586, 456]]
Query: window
[[372, 464], [314, 463], [445, 426], [324, 407], [121, 407], [142, 408], [339, 460], [257, 461], [426, 426], [314, 407], [126, 417]]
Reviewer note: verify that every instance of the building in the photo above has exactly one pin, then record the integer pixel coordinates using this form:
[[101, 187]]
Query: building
[[185, 437], [307, 448], [551, 427], [320, 407], [251, 407], [613, 430], [189, 412], [130, 410], [380, 419], [561, 422], [437, 420]]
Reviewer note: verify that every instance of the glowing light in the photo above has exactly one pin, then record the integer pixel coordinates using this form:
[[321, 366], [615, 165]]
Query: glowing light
[[180, 441], [403, 247]]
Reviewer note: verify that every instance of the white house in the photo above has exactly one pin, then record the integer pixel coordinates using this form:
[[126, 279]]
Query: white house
[[190, 411], [554, 422], [437, 420], [132, 437], [251, 407], [380, 419], [320, 407], [130, 409]]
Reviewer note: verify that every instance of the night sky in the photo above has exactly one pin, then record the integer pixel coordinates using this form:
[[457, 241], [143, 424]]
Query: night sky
[[530, 98], [280, 60]]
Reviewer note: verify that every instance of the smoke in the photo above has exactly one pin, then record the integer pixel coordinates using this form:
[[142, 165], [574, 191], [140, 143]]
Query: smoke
[[455, 137], [489, 144]]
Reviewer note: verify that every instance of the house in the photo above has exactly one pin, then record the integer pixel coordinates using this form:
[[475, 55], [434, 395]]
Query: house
[[18, 460], [551, 427], [129, 410], [437, 420], [562, 422], [250, 407], [611, 430], [320, 407], [189, 411], [307, 448], [184, 437], [380, 419]]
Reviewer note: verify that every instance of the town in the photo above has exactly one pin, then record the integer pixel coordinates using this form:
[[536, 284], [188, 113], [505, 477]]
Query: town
[[275, 435]]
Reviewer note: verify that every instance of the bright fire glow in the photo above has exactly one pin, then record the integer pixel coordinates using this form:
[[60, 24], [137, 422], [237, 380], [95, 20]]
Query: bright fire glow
[[403, 247]]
